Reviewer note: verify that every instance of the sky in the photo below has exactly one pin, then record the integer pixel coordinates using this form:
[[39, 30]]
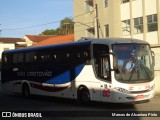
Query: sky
[[31, 17]]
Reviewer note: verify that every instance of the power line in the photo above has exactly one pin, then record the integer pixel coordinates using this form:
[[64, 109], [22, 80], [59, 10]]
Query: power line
[[39, 25], [33, 26], [80, 15], [45, 23]]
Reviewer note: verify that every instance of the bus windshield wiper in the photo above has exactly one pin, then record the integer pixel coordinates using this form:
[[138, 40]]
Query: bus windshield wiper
[[143, 68]]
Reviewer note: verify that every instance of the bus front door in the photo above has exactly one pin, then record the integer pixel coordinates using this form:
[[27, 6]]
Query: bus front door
[[104, 74]]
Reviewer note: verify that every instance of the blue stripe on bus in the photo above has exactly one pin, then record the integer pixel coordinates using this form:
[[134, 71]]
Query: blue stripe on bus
[[66, 76]]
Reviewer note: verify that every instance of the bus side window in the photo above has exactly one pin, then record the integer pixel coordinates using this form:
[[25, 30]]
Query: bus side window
[[4, 62], [15, 59], [68, 57], [18, 58], [45, 58], [83, 55], [5, 59], [54, 57], [30, 57]]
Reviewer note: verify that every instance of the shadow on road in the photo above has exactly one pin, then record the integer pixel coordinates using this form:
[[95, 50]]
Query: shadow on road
[[45, 101]]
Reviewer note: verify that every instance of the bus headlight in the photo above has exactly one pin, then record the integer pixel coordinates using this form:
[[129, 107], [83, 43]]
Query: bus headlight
[[122, 90]]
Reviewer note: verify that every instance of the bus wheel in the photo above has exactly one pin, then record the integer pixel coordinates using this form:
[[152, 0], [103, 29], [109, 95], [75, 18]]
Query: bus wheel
[[84, 96], [25, 91]]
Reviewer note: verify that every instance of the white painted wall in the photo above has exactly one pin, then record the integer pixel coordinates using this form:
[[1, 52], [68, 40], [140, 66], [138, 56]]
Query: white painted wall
[[138, 36], [157, 69], [137, 8], [151, 7], [6, 45], [152, 37], [28, 41], [125, 11]]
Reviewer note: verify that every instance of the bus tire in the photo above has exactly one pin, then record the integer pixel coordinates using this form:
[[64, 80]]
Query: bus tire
[[83, 96], [25, 91]]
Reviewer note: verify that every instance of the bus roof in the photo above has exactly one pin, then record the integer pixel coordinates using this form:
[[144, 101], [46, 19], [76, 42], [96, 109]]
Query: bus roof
[[111, 41], [108, 41]]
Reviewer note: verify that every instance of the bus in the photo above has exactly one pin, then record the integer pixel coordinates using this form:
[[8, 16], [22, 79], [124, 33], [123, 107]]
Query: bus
[[117, 70]]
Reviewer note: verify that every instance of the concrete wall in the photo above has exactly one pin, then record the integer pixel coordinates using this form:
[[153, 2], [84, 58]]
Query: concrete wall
[[83, 19], [157, 69], [28, 41], [113, 14], [6, 45], [157, 82]]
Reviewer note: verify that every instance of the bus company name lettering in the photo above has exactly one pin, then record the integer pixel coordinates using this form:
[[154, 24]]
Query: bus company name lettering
[[35, 74]]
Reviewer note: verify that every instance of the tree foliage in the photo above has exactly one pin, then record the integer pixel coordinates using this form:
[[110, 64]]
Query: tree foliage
[[66, 27]]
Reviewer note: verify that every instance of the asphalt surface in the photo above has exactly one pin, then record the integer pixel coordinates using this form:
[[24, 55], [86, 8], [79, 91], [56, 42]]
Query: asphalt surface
[[60, 106]]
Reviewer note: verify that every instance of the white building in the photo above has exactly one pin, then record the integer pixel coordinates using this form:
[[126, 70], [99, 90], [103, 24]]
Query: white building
[[34, 39], [118, 18]]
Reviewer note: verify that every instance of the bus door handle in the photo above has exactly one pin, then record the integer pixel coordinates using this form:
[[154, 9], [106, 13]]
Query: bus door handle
[[15, 69]]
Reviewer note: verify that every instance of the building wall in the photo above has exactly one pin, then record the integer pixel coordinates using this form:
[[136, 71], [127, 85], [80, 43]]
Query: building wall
[[89, 18], [83, 19], [141, 8], [157, 69], [6, 46], [113, 14], [28, 41]]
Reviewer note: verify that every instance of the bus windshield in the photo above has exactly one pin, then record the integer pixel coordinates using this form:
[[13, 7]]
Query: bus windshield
[[135, 63]]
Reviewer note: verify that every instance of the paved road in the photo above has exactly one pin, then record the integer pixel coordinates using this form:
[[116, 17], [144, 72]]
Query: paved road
[[14, 102]]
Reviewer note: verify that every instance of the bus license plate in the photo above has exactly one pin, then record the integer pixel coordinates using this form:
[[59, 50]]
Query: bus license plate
[[139, 96]]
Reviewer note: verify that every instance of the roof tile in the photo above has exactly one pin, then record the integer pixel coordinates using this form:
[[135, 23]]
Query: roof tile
[[56, 40], [11, 40], [38, 38]]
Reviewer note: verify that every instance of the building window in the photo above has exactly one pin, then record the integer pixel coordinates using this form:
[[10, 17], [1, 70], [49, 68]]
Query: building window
[[152, 23], [105, 3], [106, 30], [30, 57], [138, 25], [89, 5], [124, 1], [91, 32], [126, 29]]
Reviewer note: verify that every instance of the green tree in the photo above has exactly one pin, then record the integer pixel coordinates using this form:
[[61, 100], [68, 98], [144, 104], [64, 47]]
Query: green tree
[[49, 32], [66, 27]]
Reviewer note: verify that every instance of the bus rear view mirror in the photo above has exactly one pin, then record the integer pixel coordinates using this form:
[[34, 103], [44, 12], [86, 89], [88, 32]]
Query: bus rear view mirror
[[153, 58], [115, 62]]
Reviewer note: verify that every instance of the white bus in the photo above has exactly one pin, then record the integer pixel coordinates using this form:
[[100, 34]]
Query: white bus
[[108, 70]]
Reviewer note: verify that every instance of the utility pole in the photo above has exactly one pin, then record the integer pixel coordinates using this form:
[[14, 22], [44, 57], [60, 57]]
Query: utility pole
[[96, 20]]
